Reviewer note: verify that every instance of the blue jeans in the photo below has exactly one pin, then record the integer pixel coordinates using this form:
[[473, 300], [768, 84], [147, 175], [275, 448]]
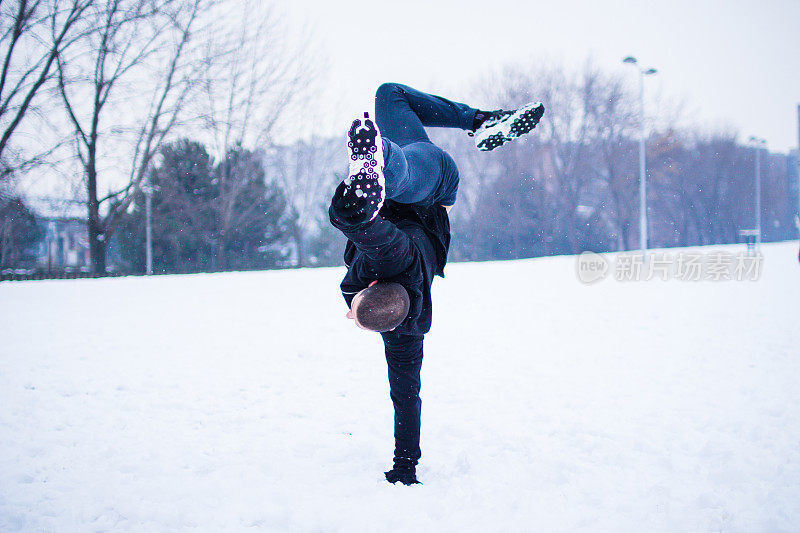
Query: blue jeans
[[416, 170]]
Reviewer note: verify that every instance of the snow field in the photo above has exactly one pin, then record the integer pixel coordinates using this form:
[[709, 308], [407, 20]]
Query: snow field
[[242, 401]]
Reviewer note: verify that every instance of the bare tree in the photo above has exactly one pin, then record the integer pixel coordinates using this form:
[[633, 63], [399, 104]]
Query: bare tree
[[254, 78], [307, 172], [33, 33], [576, 170], [612, 123], [556, 161], [135, 60]]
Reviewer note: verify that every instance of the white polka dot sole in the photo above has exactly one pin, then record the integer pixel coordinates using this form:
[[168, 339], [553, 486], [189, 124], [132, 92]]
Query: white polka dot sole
[[365, 150], [522, 121]]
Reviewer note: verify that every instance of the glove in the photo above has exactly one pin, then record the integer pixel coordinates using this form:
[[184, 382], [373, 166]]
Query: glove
[[349, 206]]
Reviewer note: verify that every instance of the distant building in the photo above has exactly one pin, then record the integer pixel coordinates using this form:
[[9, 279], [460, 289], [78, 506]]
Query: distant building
[[65, 247]]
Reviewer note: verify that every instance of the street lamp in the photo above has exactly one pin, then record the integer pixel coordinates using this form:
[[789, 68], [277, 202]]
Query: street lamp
[[148, 189], [642, 164], [757, 143]]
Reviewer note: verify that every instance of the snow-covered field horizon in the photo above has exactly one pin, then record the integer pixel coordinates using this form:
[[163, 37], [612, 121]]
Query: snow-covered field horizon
[[246, 401]]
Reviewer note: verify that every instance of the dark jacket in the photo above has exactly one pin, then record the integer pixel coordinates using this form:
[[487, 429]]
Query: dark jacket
[[406, 244]]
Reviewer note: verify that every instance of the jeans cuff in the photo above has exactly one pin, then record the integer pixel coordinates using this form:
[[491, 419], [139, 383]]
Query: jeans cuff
[[469, 116]]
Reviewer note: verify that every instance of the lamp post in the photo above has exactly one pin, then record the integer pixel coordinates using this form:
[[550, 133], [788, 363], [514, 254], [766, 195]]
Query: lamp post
[[642, 156], [758, 143], [148, 188]]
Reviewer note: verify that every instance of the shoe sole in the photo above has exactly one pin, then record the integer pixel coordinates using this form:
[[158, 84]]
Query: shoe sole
[[521, 122], [365, 147]]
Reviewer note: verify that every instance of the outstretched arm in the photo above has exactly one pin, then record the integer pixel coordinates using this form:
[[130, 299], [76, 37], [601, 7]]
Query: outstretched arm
[[389, 251]]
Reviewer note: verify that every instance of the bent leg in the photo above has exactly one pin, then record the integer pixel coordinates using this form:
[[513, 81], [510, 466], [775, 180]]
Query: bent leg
[[402, 112], [420, 173], [416, 170]]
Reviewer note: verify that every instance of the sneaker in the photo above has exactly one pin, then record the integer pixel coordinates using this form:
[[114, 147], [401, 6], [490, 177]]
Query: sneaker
[[503, 126], [365, 177]]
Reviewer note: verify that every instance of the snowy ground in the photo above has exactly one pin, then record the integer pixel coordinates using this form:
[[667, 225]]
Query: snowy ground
[[235, 401]]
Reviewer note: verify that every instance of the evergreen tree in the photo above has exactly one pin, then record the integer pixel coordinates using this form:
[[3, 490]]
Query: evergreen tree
[[207, 216], [19, 234]]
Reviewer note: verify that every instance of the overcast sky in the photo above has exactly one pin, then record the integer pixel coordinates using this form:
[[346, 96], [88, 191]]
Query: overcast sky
[[735, 63]]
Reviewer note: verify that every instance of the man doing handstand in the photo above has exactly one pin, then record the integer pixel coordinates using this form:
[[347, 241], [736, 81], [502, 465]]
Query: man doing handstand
[[392, 208]]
